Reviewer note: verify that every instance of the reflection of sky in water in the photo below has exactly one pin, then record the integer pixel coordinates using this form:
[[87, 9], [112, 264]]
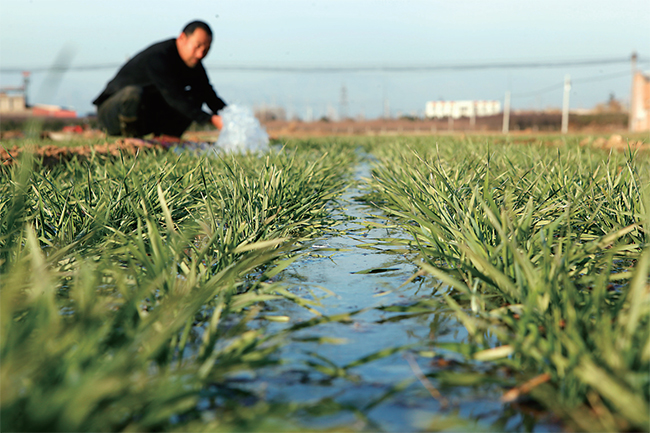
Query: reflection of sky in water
[[368, 333]]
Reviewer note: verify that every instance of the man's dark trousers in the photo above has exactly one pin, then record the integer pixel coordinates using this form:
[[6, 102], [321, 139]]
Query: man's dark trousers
[[135, 112]]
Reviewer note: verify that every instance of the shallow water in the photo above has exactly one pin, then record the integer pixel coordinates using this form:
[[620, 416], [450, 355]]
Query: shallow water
[[412, 407]]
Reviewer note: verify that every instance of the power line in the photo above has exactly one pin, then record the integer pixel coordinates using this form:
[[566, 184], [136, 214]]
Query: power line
[[539, 92], [420, 68], [79, 68], [351, 68], [579, 80]]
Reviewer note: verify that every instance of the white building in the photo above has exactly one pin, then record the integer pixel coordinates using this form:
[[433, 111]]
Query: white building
[[12, 104], [457, 109], [640, 104]]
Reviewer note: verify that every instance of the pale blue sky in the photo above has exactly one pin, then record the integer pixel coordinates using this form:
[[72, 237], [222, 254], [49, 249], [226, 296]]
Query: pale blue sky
[[339, 33]]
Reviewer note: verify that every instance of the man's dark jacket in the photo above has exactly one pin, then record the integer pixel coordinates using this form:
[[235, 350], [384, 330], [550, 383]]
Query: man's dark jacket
[[160, 69]]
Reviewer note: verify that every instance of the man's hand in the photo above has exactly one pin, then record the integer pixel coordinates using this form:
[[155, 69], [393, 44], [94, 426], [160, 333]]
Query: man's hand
[[217, 121]]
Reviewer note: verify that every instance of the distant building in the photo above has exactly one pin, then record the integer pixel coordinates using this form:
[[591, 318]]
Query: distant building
[[13, 100], [458, 109], [13, 104], [640, 103]]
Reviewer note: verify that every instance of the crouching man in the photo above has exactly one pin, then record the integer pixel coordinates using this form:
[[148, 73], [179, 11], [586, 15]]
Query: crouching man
[[162, 89]]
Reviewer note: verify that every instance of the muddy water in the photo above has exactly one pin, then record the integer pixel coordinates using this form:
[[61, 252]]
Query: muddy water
[[384, 394]]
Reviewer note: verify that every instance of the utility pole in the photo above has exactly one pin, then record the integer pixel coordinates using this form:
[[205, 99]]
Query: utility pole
[[506, 113], [472, 116], [289, 113], [565, 104], [26, 75], [386, 109], [344, 102], [632, 113]]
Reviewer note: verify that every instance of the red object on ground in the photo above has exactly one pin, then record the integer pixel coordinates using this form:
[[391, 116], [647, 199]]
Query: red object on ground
[[77, 129]]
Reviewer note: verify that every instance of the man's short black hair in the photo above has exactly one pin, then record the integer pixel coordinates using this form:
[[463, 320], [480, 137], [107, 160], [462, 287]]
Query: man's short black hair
[[189, 29]]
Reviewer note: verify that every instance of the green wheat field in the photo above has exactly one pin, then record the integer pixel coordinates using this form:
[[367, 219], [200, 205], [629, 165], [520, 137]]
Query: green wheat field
[[131, 286]]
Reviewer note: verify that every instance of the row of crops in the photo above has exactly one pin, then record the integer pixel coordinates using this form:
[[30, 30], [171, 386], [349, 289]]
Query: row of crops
[[134, 289], [541, 253], [128, 284]]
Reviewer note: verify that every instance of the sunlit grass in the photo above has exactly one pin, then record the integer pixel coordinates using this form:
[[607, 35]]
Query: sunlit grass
[[133, 288], [128, 283], [545, 249]]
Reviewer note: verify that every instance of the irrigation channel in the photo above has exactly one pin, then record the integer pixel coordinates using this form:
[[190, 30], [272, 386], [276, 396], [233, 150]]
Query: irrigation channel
[[372, 376]]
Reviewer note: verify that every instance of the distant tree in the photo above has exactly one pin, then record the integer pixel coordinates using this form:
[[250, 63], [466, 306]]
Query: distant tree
[[611, 106]]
